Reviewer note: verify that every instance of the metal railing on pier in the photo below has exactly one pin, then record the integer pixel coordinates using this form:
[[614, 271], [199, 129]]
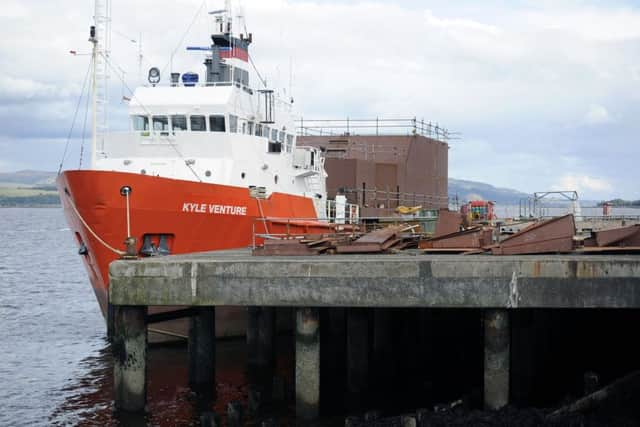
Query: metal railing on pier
[[393, 199], [376, 126], [292, 228]]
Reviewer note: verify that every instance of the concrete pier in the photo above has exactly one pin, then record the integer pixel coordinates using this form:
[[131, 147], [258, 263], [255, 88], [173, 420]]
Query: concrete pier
[[202, 345], [129, 347], [499, 285], [496, 358], [307, 363]]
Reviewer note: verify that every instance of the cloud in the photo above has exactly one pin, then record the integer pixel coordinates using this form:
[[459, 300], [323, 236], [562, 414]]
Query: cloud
[[22, 90], [528, 84], [583, 184], [597, 115]]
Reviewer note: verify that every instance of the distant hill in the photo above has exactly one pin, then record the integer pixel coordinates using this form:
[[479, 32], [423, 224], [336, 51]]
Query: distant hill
[[472, 190], [27, 177], [30, 181], [28, 188]]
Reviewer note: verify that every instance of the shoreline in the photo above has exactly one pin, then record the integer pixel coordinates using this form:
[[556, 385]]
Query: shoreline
[[36, 206]]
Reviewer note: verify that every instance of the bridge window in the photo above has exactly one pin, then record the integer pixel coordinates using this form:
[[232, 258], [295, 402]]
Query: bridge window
[[250, 128], [275, 147], [281, 139], [233, 123], [198, 123], [258, 129], [140, 122], [216, 123], [160, 123], [265, 131], [289, 143], [274, 134], [178, 122]]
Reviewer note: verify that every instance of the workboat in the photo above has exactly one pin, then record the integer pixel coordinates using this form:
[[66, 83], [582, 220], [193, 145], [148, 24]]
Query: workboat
[[209, 162]]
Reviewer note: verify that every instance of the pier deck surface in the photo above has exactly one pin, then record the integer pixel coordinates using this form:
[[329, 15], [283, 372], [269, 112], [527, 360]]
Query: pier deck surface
[[236, 278]]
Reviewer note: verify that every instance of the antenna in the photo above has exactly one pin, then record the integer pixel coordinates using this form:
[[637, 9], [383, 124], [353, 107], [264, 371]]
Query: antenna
[[291, 76], [140, 58]]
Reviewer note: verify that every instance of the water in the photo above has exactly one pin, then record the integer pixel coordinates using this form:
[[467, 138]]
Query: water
[[55, 363], [513, 211]]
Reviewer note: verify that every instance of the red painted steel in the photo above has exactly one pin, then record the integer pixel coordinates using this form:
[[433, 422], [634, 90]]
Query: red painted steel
[[199, 216], [554, 235], [471, 238], [625, 236]]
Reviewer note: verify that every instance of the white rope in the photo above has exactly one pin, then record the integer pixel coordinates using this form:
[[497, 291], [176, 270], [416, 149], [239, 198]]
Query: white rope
[[128, 218], [105, 244]]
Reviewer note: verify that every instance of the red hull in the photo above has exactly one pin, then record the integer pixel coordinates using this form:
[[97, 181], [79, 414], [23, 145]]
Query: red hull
[[198, 216]]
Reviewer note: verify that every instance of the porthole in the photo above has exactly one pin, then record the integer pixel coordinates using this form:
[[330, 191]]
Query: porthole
[[242, 175], [207, 174], [275, 179], [143, 171]]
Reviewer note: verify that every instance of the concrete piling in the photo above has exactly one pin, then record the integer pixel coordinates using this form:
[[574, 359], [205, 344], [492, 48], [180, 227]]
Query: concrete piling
[[333, 344], [496, 358], [261, 337], [261, 349], [235, 414], [382, 354], [210, 419], [129, 348], [307, 363], [357, 357], [202, 355]]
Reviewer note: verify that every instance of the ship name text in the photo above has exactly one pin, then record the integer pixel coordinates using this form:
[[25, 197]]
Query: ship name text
[[214, 209]]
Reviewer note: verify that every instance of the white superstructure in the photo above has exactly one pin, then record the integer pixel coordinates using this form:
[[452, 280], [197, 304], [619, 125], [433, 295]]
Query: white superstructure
[[219, 129]]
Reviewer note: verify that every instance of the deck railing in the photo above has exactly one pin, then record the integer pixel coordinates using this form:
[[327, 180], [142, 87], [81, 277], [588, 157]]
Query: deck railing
[[375, 126], [392, 199]]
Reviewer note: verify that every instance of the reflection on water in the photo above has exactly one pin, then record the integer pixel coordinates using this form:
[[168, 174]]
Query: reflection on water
[[55, 364], [170, 401]]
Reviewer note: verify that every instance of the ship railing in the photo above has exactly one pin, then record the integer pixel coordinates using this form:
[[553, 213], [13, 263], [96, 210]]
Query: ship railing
[[375, 126], [297, 228], [387, 198], [342, 213], [207, 84], [368, 151]]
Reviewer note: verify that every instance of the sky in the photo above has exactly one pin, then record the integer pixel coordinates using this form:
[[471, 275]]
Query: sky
[[545, 95]]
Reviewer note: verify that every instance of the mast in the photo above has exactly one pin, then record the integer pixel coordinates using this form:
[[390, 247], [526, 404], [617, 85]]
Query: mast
[[100, 37], [94, 118]]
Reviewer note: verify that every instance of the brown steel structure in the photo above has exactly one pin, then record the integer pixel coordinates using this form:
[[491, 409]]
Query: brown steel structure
[[551, 236], [397, 166]]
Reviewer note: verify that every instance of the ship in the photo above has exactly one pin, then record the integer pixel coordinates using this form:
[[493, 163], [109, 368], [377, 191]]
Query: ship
[[208, 163]]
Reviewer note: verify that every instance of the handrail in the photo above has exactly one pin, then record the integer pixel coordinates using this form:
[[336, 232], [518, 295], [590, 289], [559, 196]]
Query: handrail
[[391, 199], [375, 126], [363, 225]]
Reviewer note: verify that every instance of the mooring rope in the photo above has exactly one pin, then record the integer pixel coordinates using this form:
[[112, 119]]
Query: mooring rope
[[93, 233], [264, 220]]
